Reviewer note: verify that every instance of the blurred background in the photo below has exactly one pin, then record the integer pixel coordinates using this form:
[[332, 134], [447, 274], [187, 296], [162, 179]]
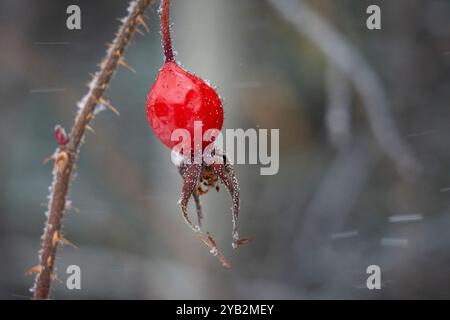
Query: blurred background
[[364, 151]]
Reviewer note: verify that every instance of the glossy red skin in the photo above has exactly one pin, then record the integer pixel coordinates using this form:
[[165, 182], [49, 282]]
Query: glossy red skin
[[177, 99]]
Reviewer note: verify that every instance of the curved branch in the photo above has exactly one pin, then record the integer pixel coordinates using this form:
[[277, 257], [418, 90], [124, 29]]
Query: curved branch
[[65, 156], [338, 112], [352, 64]]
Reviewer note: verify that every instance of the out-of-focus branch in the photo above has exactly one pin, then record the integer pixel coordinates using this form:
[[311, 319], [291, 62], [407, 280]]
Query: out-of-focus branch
[[339, 51], [65, 156], [337, 191], [338, 114]]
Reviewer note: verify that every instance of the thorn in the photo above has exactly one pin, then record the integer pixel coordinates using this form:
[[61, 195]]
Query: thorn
[[90, 116], [141, 20], [35, 269], [55, 238], [58, 238], [49, 261], [244, 241], [108, 105], [90, 128], [66, 242], [48, 159], [139, 31], [126, 65], [62, 158]]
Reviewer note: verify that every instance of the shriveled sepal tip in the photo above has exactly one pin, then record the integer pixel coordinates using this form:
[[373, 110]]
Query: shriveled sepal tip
[[196, 175]]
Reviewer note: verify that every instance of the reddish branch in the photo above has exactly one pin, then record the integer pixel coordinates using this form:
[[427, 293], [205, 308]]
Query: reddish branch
[[165, 29], [66, 154]]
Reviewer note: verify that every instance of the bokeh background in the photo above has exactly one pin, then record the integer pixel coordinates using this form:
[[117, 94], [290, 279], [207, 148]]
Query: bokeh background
[[364, 150]]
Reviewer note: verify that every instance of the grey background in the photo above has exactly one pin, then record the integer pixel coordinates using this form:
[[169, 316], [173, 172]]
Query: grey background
[[133, 243]]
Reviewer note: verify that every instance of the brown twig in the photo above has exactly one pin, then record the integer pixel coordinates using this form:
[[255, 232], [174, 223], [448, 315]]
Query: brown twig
[[66, 154]]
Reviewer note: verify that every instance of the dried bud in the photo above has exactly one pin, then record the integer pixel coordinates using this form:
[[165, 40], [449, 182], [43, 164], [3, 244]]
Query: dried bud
[[61, 136]]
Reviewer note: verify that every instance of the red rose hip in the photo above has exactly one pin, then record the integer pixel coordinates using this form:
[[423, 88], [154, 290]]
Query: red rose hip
[[181, 100], [178, 99]]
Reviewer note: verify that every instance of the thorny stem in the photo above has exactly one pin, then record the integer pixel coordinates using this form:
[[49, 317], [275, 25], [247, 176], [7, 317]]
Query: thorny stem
[[165, 29], [65, 156]]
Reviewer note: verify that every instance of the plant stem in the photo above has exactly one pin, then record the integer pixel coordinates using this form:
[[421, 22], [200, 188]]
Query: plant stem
[[165, 29], [65, 156]]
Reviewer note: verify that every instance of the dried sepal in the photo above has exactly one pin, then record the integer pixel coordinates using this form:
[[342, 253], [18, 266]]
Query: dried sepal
[[225, 171], [190, 174], [198, 207], [194, 177]]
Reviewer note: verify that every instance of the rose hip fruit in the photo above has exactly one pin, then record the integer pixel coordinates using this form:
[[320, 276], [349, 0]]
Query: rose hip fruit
[[178, 99]]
